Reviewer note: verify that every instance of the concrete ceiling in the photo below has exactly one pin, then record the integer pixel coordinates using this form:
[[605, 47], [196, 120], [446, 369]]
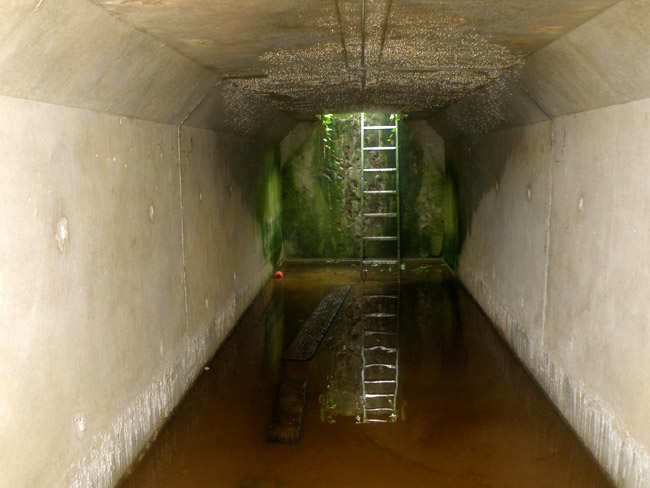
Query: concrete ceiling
[[310, 56]]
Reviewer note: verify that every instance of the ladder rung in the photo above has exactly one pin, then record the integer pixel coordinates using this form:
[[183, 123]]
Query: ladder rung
[[380, 296], [377, 409], [380, 261], [379, 127], [379, 421], [379, 332], [379, 170], [380, 192], [380, 314], [380, 148], [379, 395], [380, 348], [380, 381], [381, 238], [382, 365], [384, 215]]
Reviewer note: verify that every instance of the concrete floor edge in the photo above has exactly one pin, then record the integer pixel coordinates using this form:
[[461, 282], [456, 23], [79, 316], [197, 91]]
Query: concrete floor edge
[[357, 261], [129, 436], [621, 456]]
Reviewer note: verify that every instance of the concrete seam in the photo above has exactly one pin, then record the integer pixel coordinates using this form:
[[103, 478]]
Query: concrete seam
[[191, 111], [597, 14], [363, 52], [384, 30], [38, 5], [534, 100], [180, 198], [157, 39], [548, 233], [149, 34], [339, 18], [180, 193]]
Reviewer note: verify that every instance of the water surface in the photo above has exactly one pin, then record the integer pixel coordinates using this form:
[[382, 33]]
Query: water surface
[[467, 413]]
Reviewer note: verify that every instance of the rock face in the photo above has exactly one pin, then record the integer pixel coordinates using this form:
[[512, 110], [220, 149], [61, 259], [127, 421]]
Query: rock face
[[286, 417], [321, 190]]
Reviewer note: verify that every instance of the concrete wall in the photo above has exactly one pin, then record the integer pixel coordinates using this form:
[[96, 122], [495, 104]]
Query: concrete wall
[[112, 293], [555, 232]]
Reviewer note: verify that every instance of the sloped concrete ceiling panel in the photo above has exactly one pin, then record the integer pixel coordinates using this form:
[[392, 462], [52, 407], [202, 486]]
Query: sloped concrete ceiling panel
[[502, 104], [229, 110], [14, 13], [71, 52], [565, 82], [159, 59], [603, 62], [309, 56]]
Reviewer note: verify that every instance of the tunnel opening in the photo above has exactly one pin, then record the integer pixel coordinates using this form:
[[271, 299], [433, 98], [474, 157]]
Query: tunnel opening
[[323, 179], [162, 160]]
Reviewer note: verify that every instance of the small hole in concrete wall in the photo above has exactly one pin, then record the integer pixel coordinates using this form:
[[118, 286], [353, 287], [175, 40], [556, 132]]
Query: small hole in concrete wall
[[152, 212], [200, 196], [581, 204], [529, 192], [62, 233]]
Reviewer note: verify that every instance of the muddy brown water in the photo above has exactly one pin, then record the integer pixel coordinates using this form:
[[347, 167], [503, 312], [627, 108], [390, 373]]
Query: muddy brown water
[[468, 415]]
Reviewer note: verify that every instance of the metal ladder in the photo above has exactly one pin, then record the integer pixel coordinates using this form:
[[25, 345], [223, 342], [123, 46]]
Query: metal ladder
[[390, 192], [380, 303], [380, 354]]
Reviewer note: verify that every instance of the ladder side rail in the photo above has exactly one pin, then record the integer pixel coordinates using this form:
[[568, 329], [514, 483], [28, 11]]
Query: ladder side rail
[[363, 357], [397, 348], [399, 251], [363, 209]]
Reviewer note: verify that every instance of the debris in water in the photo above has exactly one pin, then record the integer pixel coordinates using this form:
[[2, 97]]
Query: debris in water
[[286, 416], [304, 345]]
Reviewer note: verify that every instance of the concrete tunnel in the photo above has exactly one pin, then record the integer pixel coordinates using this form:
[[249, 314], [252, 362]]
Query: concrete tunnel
[[141, 203]]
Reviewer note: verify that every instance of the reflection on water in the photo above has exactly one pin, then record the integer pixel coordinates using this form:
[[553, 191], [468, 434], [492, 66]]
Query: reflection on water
[[363, 381], [467, 413], [380, 351]]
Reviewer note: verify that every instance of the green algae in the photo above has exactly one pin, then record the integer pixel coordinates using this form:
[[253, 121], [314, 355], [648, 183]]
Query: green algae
[[321, 183], [422, 184], [269, 205], [450, 242]]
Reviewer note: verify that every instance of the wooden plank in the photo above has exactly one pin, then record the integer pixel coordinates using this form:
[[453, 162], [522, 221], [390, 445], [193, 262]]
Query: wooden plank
[[288, 408], [305, 344]]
